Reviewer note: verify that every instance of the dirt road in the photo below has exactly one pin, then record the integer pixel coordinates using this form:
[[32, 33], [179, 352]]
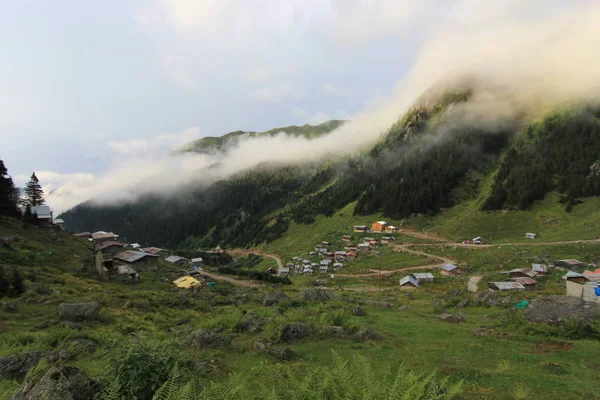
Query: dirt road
[[245, 252], [232, 281]]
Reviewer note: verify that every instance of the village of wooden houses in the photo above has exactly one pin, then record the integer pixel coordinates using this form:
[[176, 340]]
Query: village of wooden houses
[[116, 259]]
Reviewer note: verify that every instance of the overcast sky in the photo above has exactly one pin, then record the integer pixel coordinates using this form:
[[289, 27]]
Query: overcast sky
[[78, 77], [83, 83]]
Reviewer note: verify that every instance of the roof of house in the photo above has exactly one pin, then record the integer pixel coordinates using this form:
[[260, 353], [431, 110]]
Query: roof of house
[[197, 260], [391, 226], [573, 274], [531, 233], [103, 235], [423, 275], [134, 245], [174, 259], [570, 261], [381, 222], [307, 269], [449, 267], [508, 285], [337, 264], [108, 244], [592, 277], [363, 244], [325, 262], [58, 221], [133, 256], [42, 211], [360, 226], [283, 270], [477, 238], [409, 279], [524, 280], [340, 252], [539, 267], [82, 234], [324, 267], [152, 250]]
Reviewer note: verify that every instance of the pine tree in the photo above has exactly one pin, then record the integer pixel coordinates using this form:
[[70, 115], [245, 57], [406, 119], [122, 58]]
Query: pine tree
[[9, 196], [33, 192], [4, 283], [18, 288]]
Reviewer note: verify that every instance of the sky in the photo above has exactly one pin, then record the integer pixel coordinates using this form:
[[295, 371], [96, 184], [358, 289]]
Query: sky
[[96, 94]]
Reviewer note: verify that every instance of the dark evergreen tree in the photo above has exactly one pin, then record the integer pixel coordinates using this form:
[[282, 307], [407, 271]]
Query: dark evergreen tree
[[9, 196], [34, 195], [17, 286], [4, 283]]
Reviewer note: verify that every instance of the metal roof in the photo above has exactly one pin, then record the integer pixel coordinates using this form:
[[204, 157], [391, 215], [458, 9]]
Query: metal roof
[[573, 274], [524, 280], [103, 235], [325, 262], [284, 270], [539, 267], [423, 275], [507, 285], [570, 261], [152, 250], [42, 211], [105, 245], [133, 256], [409, 279], [381, 222], [174, 259], [197, 260], [449, 267], [58, 221], [82, 234]]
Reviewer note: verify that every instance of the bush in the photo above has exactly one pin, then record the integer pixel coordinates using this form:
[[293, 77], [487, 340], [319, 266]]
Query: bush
[[258, 275]]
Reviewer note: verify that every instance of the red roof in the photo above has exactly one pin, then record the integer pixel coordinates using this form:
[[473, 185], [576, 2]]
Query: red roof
[[152, 250], [105, 245]]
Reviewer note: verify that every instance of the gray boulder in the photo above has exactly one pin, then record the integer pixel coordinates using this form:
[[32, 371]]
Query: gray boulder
[[403, 307], [251, 323], [489, 297], [79, 311], [16, 366], [209, 338], [317, 294], [65, 383], [453, 318], [39, 288], [273, 298], [281, 353], [295, 331], [358, 311], [555, 309], [365, 334]]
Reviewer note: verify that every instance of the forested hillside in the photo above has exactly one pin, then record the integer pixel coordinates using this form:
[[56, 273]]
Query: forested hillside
[[212, 144], [422, 164]]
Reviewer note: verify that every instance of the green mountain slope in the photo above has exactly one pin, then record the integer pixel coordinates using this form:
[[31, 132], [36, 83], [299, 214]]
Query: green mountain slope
[[421, 166], [212, 144]]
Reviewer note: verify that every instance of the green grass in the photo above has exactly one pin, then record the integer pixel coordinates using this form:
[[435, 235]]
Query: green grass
[[547, 218]]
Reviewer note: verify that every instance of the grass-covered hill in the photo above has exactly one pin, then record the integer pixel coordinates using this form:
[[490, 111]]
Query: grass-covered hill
[[215, 144], [423, 165]]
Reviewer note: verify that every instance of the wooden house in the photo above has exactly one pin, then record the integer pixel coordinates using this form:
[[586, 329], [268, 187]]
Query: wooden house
[[351, 255], [451, 270], [521, 273], [390, 229], [421, 277], [101, 237], [570, 263], [373, 244], [361, 228], [197, 262], [408, 282], [378, 226], [138, 260], [363, 247], [501, 286], [387, 239], [347, 238], [530, 235], [527, 282], [181, 261], [539, 269], [44, 215], [576, 277], [162, 253]]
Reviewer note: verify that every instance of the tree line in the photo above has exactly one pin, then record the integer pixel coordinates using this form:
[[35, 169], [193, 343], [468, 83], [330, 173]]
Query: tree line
[[11, 201]]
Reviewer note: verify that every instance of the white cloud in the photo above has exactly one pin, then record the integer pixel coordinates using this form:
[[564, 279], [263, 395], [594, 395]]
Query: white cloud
[[299, 112], [330, 89], [157, 144]]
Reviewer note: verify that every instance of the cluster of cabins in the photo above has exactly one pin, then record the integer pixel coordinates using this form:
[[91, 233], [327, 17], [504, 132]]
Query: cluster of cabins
[[379, 226], [584, 285], [414, 280], [113, 257]]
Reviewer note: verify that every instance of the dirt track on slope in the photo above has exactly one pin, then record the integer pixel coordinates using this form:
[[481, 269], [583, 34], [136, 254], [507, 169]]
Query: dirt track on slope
[[244, 252]]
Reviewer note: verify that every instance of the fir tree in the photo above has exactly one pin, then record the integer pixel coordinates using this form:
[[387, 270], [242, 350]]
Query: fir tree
[[9, 196], [33, 192], [18, 288], [4, 283]]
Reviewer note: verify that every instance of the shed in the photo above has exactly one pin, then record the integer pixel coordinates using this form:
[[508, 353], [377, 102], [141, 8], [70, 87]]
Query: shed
[[307, 271], [44, 215], [479, 240], [387, 239], [102, 236], [177, 260], [573, 276], [423, 276], [162, 253], [363, 247], [325, 263], [527, 282], [451, 270], [323, 269], [540, 269], [360, 228], [187, 282], [505, 286], [285, 271], [530, 235], [390, 229], [347, 237], [569, 263], [521, 272], [133, 246], [408, 282], [326, 243], [138, 260]]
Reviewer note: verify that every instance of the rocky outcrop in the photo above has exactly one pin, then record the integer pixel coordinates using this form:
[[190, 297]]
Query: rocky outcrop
[[358, 311], [209, 338], [65, 383], [295, 331], [317, 294], [274, 298], [79, 311], [555, 309], [251, 323], [280, 353], [16, 366], [453, 318]]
